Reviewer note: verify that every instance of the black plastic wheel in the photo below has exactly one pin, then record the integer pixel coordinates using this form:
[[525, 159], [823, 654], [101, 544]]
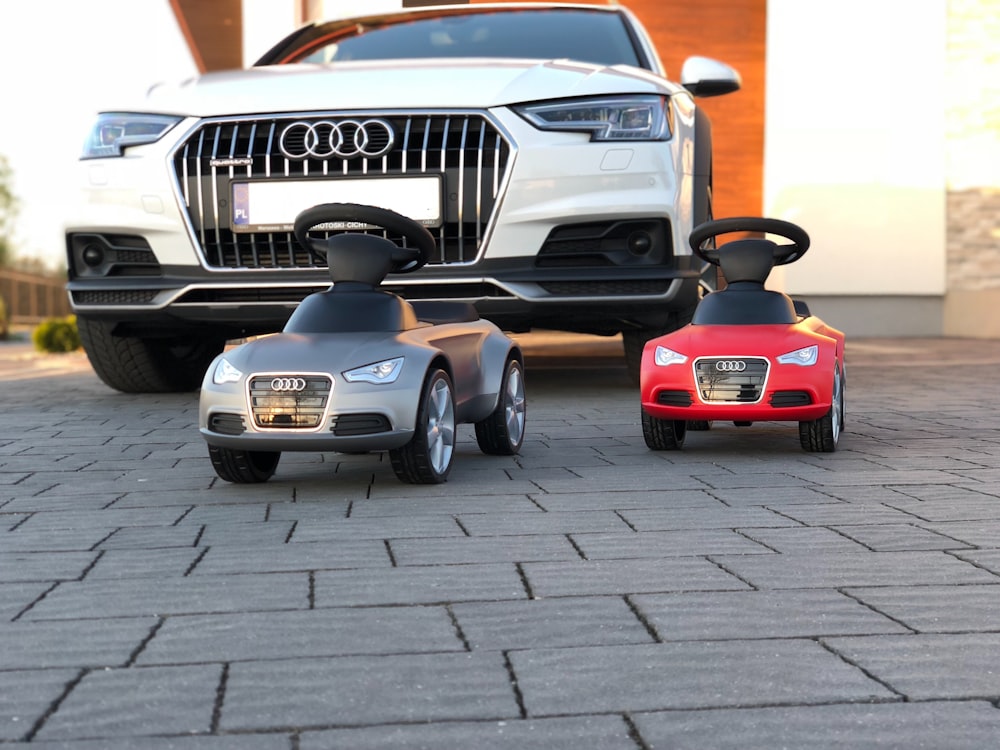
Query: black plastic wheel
[[799, 239], [426, 459], [822, 435], [421, 243], [663, 434], [502, 432], [243, 467]]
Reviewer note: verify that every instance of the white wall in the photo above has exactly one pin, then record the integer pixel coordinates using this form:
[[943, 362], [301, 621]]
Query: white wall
[[855, 142]]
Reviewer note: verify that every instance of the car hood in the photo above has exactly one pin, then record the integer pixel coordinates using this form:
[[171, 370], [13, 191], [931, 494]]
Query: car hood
[[310, 353], [395, 84]]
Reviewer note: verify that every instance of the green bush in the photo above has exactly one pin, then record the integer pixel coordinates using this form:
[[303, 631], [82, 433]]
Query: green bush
[[57, 335]]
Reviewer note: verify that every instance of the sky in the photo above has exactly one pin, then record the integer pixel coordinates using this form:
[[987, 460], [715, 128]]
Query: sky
[[63, 61]]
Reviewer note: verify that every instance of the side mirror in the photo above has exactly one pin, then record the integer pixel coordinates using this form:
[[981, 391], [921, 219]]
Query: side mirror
[[703, 76]]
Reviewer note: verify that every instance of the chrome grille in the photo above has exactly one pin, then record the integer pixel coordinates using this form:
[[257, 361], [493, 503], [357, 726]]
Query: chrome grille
[[731, 385], [287, 409], [466, 149]]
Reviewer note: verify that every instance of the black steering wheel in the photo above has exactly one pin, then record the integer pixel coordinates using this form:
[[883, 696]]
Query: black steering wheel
[[420, 242], [782, 253]]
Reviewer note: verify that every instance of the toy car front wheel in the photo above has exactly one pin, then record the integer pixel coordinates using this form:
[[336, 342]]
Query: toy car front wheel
[[243, 467], [822, 435], [663, 434], [502, 433], [426, 459]]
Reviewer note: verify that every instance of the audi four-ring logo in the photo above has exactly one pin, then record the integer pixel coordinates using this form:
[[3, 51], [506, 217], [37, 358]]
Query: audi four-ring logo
[[730, 365], [288, 384], [343, 138]]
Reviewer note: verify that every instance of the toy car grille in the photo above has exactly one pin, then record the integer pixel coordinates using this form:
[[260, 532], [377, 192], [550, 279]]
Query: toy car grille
[[731, 379], [465, 149], [289, 401]]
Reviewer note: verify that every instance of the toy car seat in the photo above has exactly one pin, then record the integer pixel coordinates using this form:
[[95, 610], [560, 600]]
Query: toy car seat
[[745, 265], [358, 263]]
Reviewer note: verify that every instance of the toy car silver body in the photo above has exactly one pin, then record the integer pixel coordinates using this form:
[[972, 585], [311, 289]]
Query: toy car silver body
[[360, 369]]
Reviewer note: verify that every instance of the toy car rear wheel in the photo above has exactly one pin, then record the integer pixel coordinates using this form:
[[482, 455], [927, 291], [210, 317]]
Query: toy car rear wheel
[[243, 467], [426, 459], [822, 435], [663, 434], [502, 433]]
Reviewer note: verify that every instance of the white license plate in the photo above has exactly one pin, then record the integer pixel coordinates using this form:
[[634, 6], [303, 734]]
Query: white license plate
[[271, 206]]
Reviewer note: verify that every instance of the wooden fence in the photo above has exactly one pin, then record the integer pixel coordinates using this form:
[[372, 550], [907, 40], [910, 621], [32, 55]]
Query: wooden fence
[[31, 298]]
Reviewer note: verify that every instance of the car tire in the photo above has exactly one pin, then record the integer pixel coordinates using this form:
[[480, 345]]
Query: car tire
[[502, 432], [147, 365], [634, 341], [426, 459], [663, 434], [822, 435], [243, 467]]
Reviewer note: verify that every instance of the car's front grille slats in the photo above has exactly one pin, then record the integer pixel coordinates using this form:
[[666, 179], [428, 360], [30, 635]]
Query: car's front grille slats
[[731, 379], [466, 149], [282, 401]]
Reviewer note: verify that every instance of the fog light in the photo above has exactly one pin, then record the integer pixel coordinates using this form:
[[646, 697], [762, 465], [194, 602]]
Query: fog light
[[640, 243], [93, 255]]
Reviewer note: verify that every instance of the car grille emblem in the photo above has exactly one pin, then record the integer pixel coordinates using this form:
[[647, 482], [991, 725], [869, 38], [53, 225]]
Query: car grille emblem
[[345, 139], [284, 385], [730, 365]]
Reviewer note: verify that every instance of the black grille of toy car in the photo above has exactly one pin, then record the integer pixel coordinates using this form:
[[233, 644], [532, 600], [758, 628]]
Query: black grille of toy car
[[465, 149], [731, 379], [289, 401]]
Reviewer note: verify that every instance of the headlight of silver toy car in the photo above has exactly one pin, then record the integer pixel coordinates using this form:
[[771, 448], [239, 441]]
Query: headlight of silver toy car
[[805, 357], [225, 373], [115, 131], [378, 373], [618, 118]]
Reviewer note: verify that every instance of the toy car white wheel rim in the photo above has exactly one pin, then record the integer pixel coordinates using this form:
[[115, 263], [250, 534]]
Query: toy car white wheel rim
[[514, 405], [440, 426], [836, 409]]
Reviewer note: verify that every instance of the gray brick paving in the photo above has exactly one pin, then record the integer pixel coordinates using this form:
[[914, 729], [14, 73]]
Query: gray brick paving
[[970, 725], [586, 593]]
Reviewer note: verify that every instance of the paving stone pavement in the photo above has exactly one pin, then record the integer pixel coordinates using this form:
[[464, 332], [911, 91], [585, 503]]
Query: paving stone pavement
[[588, 593]]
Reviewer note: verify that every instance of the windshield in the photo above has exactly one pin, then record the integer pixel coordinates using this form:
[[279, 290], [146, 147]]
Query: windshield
[[586, 36]]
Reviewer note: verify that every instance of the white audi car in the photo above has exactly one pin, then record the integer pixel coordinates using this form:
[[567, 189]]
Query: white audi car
[[557, 166]]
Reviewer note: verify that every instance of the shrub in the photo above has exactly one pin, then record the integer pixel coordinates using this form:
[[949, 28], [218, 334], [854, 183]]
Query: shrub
[[57, 335]]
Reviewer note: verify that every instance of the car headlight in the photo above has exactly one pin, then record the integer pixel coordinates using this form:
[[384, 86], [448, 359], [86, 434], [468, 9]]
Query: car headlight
[[225, 373], [804, 357], [664, 357], [378, 373], [115, 131], [618, 118]]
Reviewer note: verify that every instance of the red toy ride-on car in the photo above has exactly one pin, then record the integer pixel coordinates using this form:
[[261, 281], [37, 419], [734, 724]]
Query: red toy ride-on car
[[749, 354]]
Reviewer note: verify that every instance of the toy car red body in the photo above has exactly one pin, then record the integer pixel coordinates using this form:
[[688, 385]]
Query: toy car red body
[[749, 354]]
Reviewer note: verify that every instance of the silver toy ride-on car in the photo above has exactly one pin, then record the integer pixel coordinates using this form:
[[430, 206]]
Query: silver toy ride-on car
[[360, 369]]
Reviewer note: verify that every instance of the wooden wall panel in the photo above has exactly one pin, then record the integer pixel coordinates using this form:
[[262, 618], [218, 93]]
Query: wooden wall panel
[[213, 31], [733, 31]]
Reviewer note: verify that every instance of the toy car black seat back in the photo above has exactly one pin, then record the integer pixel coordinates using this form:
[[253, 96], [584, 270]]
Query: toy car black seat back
[[745, 265], [358, 263]]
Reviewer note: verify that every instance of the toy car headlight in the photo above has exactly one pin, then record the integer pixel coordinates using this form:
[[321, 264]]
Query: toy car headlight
[[663, 357], [378, 373], [114, 132], [619, 118], [225, 373], [804, 357]]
